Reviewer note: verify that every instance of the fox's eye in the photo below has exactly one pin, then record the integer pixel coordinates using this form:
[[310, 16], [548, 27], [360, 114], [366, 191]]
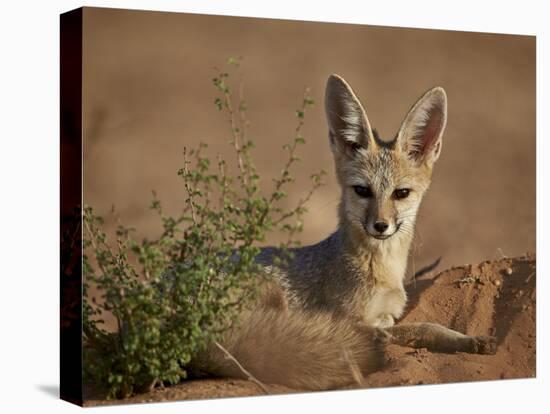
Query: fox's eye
[[401, 193], [363, 191]]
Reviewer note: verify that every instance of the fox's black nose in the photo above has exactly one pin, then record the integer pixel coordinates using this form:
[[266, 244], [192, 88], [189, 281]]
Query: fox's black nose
[[381, 226]]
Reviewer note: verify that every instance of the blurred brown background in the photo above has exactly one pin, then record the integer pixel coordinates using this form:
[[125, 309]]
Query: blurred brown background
[[148, 93]]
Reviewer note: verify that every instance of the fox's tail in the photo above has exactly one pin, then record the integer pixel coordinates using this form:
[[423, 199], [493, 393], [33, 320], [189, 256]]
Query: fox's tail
[[306, 351]]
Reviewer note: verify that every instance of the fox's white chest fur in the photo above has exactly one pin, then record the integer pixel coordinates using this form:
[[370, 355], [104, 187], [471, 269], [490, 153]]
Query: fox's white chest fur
[[385, 267]]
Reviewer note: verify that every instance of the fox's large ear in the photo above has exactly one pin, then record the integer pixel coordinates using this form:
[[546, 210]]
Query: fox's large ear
[[421, 131], [349, 128]]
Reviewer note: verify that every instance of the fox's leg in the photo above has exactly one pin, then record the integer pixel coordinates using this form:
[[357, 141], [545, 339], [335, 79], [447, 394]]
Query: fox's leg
[[438, 338]]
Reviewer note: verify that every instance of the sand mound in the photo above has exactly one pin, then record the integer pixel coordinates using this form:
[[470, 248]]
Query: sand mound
[[491, 298]]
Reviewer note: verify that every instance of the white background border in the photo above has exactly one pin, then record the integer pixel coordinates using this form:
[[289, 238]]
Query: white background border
[[29, 194]]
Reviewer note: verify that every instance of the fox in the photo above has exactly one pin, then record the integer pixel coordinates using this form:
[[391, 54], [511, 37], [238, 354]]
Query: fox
[[324, 318]]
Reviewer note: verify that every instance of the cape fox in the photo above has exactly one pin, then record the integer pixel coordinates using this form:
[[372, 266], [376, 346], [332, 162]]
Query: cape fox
[[324, 319]]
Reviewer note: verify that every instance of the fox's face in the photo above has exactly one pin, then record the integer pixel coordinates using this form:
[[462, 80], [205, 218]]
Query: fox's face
[[382, 182]]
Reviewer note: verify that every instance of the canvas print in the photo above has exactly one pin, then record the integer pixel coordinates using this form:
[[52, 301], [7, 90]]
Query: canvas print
[[259, 206]]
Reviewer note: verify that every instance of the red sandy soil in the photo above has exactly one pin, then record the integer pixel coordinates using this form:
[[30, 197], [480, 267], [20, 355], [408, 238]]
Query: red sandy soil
[[491, 298]]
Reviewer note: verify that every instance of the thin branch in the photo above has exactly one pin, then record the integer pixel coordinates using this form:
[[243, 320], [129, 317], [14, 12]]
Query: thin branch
[[300, 205], [94, 245], [223, 197], [236, 135], [242, 111], [243, 370], [354, 368], [188, 187], [291, 159], [292, 150]]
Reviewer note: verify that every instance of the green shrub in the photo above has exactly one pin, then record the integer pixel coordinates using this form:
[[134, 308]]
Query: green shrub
[[172, 295]]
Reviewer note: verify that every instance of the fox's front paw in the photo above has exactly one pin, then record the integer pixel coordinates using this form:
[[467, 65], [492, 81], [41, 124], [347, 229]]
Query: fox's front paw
[[384, 321], [486, 345], [381, 337]]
